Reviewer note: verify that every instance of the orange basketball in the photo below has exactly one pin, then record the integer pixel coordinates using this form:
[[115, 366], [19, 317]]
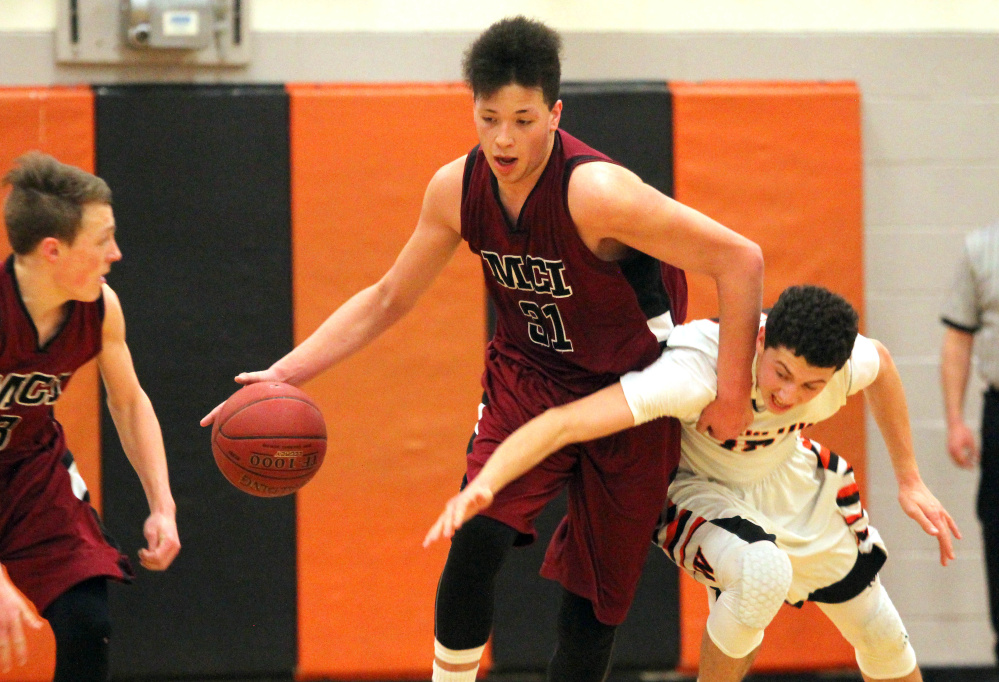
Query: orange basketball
[[269, 439]]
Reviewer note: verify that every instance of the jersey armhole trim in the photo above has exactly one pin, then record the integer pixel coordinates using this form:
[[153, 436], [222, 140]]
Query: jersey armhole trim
[[466, 177]]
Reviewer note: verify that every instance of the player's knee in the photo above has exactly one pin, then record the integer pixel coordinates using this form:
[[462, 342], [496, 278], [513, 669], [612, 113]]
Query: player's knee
[[755, 579], [882, 644], [480, 546], [464, 607], [763, 577]]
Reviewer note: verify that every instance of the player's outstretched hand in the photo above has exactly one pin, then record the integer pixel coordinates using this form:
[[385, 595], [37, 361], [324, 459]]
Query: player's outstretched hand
[[725, 420], [925, 509], [243, 378], [962, 446], [164, 544], [15, 613], [463, 506]]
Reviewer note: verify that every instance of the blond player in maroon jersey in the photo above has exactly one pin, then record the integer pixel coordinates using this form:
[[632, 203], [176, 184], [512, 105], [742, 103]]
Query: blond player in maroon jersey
[[56, 313]]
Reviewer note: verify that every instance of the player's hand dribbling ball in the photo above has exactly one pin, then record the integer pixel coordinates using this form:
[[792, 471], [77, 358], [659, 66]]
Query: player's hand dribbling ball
[[269, 439]]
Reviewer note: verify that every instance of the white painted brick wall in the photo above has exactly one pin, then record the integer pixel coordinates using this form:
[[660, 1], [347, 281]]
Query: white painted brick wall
[[931, 173]]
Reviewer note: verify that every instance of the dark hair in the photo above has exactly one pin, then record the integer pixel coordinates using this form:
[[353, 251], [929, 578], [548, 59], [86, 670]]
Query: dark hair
[[813, 323], [47, 199], [517, 51]]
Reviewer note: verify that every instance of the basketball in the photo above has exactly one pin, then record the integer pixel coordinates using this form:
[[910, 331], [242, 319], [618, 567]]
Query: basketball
[[269, 439]]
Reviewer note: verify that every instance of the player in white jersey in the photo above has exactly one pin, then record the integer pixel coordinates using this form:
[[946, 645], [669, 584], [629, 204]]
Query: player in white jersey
[[770, 516]]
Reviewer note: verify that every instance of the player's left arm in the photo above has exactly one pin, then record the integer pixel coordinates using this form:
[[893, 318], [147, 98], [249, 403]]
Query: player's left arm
[[886, 398], [595, 416], [141, 438], [612, 207]]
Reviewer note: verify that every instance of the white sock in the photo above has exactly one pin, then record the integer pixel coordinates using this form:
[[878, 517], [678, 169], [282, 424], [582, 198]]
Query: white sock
[[465, 661]]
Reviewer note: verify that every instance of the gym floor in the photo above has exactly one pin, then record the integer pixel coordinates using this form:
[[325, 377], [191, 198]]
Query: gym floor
[[929, 675]]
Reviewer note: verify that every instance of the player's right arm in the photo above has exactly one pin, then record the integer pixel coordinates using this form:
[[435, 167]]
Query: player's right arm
[[955, 367], [371, 311], [15, 612]]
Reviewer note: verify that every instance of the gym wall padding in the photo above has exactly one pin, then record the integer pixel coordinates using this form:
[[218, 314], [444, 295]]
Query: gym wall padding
[[57, 121], [201, 180], [781, 164], [631, 123], [399, 412], [244, 224]]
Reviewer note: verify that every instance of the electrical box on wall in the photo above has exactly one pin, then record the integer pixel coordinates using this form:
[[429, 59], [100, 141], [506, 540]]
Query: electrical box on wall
[[154, 32]]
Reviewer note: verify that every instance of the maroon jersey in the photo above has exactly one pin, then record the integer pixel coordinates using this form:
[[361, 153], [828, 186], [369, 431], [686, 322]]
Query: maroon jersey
[[50, 536], [568, 324], [33, 378], [580, 321]]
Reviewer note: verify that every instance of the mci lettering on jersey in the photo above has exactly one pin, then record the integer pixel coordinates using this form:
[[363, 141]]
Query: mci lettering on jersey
[[30, 390], [528, 273]]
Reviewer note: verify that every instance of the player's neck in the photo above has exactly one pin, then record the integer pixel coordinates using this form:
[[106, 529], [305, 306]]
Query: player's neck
[[45, 304]]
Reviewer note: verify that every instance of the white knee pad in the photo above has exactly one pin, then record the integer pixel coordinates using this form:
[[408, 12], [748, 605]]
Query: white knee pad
[[755, 579], [872, 625]]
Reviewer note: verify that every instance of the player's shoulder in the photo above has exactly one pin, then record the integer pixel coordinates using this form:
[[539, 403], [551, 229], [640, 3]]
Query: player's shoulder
[[863, 366], [443, 193], [450, 172], [600, 179], [110, 304]]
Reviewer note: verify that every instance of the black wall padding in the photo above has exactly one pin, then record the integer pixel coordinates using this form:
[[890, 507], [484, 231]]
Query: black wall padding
[[633, 124], [201, 184]]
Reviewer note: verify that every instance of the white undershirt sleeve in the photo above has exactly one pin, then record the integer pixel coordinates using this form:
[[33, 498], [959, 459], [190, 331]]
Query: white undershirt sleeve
[[681, 383], [865, 363]]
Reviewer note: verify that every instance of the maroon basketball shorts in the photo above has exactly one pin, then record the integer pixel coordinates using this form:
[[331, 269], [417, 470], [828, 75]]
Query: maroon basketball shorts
[[616, 490], [51, 540]]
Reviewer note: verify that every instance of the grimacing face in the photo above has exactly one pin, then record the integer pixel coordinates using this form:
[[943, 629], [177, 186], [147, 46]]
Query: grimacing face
[[83, 264], [786, 380], [515, 129]]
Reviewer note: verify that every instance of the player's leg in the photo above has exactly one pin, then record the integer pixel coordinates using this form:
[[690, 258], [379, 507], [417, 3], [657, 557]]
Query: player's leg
[[464, 610], [82, 628], [872, 625], [598, 551], [715, 665], [748, 578], [584, 643]]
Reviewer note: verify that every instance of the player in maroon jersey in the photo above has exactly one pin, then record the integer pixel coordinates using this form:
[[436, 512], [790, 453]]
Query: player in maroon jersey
[[56, 313], [572, 247]]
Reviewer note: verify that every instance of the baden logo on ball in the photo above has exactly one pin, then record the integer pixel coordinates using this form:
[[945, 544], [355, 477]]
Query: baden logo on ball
[[269, 439]]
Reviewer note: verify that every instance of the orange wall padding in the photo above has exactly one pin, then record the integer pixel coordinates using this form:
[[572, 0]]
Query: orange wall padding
[[781, 164], [401, 411], [58, 121]]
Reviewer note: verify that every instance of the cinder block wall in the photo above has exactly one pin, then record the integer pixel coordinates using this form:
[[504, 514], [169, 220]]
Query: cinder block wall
[[930, 111]]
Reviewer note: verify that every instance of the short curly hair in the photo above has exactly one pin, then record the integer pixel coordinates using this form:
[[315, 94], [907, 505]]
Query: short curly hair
[[814, 323], [47, 199], [515, 50]]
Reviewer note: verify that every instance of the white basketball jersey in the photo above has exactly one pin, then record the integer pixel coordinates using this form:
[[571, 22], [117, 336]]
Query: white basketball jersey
[[684, 380]]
